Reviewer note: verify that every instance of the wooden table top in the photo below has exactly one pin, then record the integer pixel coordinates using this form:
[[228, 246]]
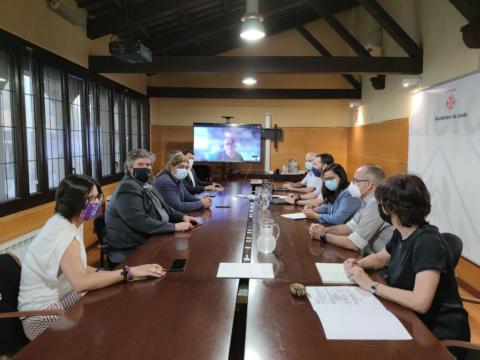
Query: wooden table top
[[190, 315]]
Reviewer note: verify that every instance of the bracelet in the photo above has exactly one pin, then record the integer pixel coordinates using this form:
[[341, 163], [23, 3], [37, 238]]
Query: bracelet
[[99, 269], [127, 273]]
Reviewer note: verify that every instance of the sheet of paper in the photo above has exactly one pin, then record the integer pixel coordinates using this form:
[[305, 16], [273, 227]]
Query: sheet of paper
[[295, 216], [333, 273], [350, 313], [245, 271], [247, 196]]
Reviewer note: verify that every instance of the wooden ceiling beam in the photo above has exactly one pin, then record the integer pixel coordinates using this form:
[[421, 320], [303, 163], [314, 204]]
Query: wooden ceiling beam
[[116, 22], [470, 9], [323, 11], [231, 20], [392, 27], [243, 93], [261, 65], [322, 50]]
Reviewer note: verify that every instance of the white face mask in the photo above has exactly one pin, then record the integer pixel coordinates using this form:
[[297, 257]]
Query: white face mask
[[190, 163], [354, 190]]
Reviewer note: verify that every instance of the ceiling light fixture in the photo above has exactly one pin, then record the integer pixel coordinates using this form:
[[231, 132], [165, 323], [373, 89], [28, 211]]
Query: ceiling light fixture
[[355, 104], [411, 81], [249, 81], [252, 23], [2, 79]]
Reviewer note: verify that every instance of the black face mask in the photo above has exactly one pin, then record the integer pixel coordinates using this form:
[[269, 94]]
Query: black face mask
[[387, 218], [141, 174], [316, 172]]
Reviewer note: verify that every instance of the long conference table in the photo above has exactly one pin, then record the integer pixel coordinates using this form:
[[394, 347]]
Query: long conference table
[[190, 315]]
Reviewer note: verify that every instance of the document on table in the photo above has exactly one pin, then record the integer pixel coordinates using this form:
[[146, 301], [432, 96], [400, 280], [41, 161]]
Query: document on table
[[295, 216], [248, 196], [245, 271], [350, 313], [333, 274]]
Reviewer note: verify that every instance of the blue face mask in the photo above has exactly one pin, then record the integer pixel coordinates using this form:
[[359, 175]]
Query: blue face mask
[[181, 174], [308, 165], [331, 185], [316, 172]]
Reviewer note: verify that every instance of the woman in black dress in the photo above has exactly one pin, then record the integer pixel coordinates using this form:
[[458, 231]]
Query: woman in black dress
[[420, 265]]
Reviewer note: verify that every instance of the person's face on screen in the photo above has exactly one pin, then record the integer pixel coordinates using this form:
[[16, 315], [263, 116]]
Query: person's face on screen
[[229, 145]]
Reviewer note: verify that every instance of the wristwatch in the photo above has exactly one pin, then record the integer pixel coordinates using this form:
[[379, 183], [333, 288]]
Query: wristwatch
[[324, 235], [373, 287]]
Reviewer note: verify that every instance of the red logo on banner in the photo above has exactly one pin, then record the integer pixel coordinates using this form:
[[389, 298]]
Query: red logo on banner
[[450, 102]]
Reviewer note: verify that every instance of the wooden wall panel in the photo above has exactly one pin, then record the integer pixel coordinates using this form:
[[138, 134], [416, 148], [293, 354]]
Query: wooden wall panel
[[384, 144], [298, 141], [23, 222]]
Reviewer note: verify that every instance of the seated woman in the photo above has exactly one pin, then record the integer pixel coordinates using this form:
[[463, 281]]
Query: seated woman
[[55, 273], [170, 184], [420, 266], [339, 205], [137, 211]]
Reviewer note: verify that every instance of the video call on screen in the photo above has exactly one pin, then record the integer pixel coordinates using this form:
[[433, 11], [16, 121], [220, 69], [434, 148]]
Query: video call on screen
[[227, 143]]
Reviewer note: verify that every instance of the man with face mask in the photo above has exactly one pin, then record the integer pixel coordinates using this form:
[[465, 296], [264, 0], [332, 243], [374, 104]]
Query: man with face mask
[[314, 198], [366, 230], [195, 185], [137, 210]]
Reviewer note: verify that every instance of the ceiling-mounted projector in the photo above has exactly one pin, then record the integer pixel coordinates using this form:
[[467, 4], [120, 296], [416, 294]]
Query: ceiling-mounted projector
[[131, 51]]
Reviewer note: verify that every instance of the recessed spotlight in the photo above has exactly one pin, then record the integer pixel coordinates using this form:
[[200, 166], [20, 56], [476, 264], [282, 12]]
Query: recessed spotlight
[[249, 81]]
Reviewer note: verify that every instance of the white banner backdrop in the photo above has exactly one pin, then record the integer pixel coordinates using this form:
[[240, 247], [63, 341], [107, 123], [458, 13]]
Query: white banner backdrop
[[444, 149]]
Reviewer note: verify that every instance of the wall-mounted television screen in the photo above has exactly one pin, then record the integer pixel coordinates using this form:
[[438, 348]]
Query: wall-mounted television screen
[[227, 142]]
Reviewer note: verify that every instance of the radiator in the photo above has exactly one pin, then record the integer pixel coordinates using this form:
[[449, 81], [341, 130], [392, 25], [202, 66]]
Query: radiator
[[19, 245]]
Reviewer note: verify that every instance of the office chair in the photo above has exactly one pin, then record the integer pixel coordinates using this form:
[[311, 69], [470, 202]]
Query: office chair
[[99, 229], [460, 349], [202, 171], [12, 337]]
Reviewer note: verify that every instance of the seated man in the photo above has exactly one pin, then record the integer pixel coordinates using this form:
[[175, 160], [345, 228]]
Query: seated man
[[310, 183], [170, 184], [193, 184], [314, 198], [229, 154], [366, 230], [137, 211]]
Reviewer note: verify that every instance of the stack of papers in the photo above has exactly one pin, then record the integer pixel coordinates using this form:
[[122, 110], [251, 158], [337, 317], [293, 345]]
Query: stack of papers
[[295, 216], [350, 313], [333, 274], [245, 271]]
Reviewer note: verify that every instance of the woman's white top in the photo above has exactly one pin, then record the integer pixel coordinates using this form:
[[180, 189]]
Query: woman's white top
[[42, 282]]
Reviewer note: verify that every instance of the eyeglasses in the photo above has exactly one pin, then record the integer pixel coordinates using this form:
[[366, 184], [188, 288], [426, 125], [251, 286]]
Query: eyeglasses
[[92, 198], [355, 180]]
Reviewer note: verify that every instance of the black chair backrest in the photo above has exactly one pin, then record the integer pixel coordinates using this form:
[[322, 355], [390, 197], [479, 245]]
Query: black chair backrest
[[455, 246], [99, 228], [12, 337], [202, 171]]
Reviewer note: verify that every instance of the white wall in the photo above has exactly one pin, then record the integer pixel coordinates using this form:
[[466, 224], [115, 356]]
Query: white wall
[[434, 25]]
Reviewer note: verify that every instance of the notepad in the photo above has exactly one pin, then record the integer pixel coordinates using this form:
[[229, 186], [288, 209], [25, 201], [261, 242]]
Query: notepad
[[333, 274], [295, 216], [245, 271]]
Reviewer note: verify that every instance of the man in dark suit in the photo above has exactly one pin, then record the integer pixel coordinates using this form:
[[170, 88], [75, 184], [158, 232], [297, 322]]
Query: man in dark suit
[[137, 211], [193, 184]]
